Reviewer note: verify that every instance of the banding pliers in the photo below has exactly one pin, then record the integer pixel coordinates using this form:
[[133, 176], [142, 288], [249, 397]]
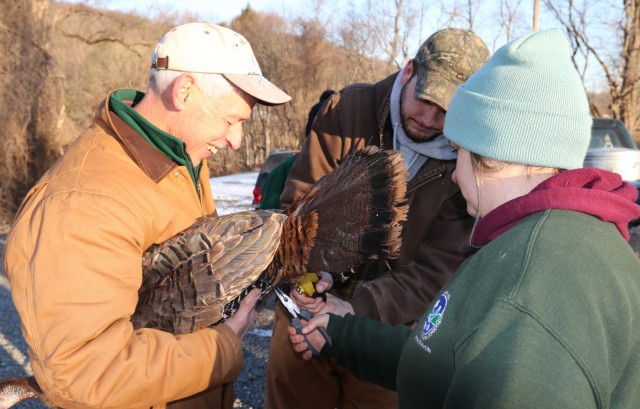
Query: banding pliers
[[305, 314]]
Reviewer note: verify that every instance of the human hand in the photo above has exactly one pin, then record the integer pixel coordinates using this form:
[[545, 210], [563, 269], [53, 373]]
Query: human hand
[[307, 284], [325, 283], [316, 306], [338, 306], [298, 341], [242, 319]]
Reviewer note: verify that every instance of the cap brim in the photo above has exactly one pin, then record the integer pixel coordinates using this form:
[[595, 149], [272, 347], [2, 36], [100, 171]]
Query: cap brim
[[260, 88], [435, 88]]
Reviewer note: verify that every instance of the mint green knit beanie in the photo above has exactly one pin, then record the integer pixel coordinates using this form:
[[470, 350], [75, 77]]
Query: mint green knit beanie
[[526, 105]]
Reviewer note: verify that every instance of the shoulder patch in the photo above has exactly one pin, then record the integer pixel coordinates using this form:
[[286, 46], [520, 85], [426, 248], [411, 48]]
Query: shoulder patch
[[435, 316]]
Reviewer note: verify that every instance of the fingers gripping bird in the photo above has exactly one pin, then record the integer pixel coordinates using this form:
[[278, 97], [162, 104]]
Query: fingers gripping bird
[[197, 278]]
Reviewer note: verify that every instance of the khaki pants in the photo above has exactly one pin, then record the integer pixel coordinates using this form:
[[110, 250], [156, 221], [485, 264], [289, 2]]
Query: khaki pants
[[219, 397], [315, 384]]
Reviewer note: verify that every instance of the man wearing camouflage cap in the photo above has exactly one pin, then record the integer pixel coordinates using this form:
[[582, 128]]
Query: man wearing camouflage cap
[[404, 112]]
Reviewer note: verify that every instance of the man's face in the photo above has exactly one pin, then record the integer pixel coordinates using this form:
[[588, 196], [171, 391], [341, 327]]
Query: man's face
[[422, 120], [214, 125]]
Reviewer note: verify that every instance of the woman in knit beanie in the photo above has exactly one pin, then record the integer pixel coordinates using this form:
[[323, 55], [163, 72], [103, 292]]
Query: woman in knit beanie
[[546, 314]]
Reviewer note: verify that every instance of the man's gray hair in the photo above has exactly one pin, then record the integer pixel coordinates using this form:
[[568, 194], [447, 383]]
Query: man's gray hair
[[211, 85]]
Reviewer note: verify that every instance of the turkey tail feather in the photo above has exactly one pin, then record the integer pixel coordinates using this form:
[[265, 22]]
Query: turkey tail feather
[[360, 207]]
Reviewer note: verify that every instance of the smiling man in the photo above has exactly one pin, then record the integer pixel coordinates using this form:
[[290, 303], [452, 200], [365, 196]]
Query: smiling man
[[137, 176], [404, 112]]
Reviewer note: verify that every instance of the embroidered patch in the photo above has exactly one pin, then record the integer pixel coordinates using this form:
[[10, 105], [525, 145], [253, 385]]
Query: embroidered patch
[[435, 316]]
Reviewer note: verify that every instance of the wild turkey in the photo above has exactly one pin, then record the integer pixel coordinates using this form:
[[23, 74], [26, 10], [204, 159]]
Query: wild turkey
[[197, 278]]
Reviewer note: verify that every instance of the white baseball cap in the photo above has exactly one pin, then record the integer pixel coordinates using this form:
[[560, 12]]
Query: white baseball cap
[[207, 48]]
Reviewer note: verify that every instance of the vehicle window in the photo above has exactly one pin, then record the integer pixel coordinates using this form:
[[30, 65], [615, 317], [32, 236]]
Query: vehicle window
[[606, 138], [273, 161], [262, 176]]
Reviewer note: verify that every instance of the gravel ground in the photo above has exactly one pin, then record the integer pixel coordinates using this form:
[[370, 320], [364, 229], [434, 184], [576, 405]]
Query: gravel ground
[[14, 362], [249, 386]]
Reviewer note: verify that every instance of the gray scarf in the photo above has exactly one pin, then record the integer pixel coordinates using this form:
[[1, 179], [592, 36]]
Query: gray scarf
[[415, 154]]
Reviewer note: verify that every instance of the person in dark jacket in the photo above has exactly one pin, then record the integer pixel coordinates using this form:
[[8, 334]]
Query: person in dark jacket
[[274, 183], [545, 314], [405, 112]]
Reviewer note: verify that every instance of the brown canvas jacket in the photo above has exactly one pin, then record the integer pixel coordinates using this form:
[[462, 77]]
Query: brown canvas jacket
[[435, 236], [73, 257]]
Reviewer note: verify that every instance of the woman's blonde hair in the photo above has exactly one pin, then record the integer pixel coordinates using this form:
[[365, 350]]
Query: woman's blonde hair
[[483, 165]]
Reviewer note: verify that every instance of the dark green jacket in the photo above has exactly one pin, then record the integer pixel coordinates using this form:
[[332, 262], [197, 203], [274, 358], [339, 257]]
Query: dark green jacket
[[274, 184], [547, 315]]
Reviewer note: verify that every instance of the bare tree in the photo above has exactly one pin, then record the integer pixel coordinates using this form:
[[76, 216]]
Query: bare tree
[[33, 87], [91, 34], [618, 58], [627, 107], [394, 42], [99, 51], [461, 13], [383, 29], [354, 36], [295, 54], [509, 16], [472, 10]]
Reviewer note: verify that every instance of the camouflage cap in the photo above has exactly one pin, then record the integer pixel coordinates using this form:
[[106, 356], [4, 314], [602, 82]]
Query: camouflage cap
[[446, 60]]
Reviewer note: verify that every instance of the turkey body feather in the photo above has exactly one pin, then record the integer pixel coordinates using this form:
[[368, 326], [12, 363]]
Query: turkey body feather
[[189, 279]]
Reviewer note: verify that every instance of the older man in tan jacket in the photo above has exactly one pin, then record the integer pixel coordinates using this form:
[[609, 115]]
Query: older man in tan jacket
[[135, 177]]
